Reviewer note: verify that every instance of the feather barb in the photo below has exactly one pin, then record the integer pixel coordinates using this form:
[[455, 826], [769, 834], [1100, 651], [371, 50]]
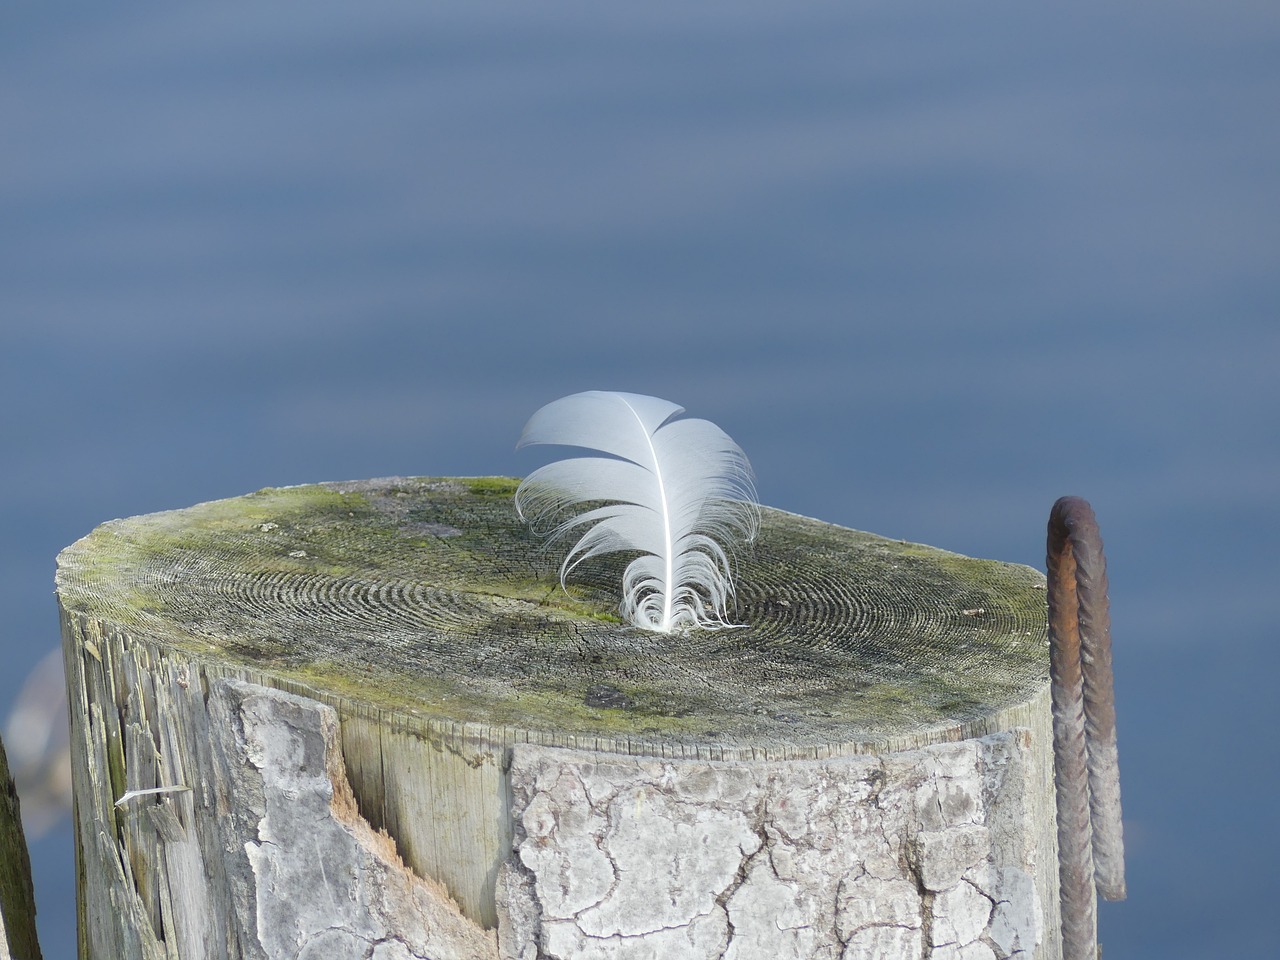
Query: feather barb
[[679, 492]]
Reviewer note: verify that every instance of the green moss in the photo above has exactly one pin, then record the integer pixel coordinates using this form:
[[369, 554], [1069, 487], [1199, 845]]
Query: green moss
[[492, 486], [430, 597]]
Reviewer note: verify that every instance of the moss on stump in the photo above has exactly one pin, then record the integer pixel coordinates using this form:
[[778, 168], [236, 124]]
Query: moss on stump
[[434, 622], [429, 598]]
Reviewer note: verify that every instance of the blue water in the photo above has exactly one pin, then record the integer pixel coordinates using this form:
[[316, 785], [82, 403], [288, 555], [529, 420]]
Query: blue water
[[931, 267]]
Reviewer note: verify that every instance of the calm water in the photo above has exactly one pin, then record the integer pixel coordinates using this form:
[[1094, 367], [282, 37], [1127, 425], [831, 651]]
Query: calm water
[[931, 268]]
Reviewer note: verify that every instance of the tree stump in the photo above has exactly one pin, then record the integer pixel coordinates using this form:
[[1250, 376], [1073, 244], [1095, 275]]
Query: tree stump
[[363, 719]]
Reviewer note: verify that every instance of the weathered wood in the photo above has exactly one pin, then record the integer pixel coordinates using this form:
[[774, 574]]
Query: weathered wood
[[875, 744], [884, 856], [17, 898]]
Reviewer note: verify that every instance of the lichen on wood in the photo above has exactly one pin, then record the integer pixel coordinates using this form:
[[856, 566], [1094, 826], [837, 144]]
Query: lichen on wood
[[432, 623], [429, 597]]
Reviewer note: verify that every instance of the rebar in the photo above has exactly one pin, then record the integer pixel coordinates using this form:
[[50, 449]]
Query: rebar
[[1086, 770]]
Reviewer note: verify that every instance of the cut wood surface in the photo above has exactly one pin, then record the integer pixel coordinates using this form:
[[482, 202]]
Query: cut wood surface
[[500, 729]]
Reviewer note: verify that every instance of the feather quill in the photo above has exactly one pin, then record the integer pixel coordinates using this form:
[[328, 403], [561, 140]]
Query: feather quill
[[678, 491]]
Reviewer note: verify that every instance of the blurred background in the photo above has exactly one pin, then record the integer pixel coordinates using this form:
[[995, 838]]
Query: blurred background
[[931, 267]]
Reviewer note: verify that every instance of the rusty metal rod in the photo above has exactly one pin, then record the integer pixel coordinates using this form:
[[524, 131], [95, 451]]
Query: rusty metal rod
[[1086, 771]]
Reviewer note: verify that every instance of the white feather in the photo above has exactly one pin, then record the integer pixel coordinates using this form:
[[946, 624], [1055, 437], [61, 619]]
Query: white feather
[[678, 491]]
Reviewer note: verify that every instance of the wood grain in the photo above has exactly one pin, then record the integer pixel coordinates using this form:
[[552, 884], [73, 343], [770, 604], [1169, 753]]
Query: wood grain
[[433, 623]]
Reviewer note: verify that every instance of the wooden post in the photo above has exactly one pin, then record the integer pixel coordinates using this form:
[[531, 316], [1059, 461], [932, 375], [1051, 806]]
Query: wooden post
[[17, 899], [363, 719]]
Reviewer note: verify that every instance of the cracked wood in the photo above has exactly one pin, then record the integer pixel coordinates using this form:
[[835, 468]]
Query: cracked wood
[[423, 616]]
